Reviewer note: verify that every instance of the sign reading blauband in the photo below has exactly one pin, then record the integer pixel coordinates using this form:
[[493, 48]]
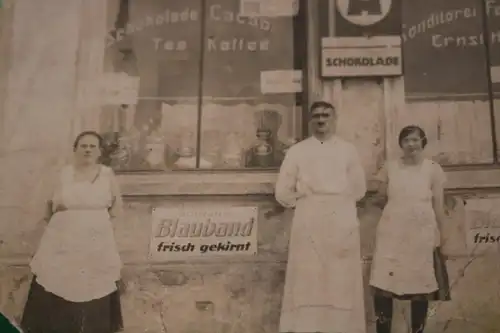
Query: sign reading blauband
[[190, 232]]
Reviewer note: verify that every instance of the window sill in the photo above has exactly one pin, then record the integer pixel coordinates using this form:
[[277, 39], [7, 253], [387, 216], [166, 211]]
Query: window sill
[[472, 179], [262, 183], [198, 183], [201, 183]]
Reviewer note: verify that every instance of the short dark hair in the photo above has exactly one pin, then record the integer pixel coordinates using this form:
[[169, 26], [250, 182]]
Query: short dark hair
[[88, 133], [321, 104], [406, 131]]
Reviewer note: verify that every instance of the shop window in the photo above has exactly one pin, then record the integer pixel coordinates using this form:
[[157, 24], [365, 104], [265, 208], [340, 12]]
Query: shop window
[[493, 30], [201, 103], [448, 49]]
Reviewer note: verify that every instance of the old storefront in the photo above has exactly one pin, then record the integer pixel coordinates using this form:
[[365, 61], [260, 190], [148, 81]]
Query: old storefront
[[221, 95]]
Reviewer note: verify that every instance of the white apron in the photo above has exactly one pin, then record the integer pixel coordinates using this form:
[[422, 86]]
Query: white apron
[[77, 258], [407, 233], [324, 284]]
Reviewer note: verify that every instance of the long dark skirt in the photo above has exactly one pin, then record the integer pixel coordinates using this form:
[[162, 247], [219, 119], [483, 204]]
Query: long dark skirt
[[48, 313], [443, 292]]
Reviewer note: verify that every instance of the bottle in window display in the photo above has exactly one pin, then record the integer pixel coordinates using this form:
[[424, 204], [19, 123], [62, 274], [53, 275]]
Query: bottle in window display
[[120, 157], [268, 151], [118, 143], [110, 144], [261, 154]]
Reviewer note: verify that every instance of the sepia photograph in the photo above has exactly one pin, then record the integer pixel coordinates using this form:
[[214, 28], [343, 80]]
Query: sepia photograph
[[250, 166]]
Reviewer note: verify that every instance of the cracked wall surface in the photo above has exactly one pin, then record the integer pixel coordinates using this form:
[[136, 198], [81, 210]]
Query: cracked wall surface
[[245, 295], [220, 296]]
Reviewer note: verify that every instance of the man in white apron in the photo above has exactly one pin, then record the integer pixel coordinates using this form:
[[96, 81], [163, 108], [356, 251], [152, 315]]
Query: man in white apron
[[322, 178]]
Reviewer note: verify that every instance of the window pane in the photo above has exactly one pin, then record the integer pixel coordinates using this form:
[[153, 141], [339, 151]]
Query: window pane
[[441, 36], [241, 125], [158, 41], [445, 78], [493, 9]]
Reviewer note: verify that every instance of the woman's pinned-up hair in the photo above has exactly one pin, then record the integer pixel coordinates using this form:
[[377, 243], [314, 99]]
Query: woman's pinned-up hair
[[408, 130], [88, 133]]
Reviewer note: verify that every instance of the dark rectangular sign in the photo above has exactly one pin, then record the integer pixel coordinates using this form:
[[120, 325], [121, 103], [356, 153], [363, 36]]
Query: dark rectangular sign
[[444, 51], [361, 18]]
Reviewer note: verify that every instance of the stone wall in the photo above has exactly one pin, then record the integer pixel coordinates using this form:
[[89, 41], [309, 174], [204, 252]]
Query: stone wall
[[244, 294], [36, 113], [234, 295]]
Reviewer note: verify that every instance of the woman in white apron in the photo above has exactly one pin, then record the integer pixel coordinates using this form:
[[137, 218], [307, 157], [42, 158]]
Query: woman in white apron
[[77, 266], [407, 262]]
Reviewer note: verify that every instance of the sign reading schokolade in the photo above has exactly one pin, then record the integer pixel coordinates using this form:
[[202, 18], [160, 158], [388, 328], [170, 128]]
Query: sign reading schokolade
[[361, 56]]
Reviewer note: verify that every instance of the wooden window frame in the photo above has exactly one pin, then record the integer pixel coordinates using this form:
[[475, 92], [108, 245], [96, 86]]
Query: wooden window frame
[[242, 181], [228, 182], [300, 27]]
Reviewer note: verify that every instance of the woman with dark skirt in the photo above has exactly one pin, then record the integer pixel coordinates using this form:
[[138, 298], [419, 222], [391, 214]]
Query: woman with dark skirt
[[407, 263], [77, 266]]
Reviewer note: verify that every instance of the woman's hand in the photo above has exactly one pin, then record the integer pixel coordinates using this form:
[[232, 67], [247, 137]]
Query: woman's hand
[[122, 287], [60, 208]]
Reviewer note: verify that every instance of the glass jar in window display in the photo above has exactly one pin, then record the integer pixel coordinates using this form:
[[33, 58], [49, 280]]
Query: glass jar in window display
[[261, 154], [187, 158], [210, 150], [155, 151], [232, 154]]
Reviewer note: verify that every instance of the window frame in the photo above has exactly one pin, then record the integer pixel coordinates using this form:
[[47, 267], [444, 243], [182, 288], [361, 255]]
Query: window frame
[[137, 185], [301, 62]]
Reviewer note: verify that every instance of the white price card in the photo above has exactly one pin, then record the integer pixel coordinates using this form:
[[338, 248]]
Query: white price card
[[269, 8], [495, 74], [281, 81]]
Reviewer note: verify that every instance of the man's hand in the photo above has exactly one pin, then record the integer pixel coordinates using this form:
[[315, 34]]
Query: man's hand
[[276, 210]]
